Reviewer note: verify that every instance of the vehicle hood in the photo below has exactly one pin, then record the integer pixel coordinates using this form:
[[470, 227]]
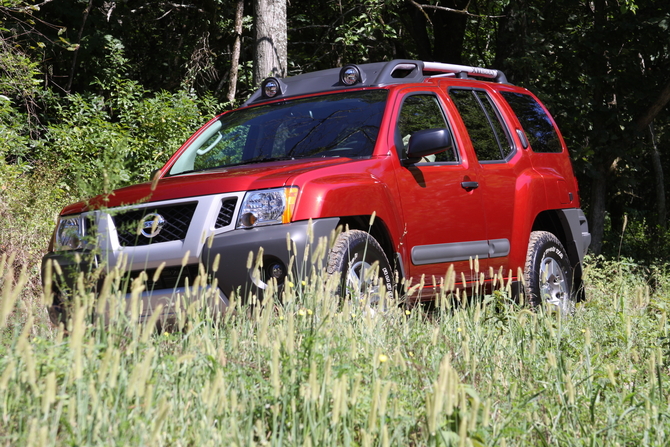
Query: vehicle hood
[[231, 179]]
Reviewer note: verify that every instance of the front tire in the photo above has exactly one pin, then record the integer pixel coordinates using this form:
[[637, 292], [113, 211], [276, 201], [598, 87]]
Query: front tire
[[548, 274], [352, 257]]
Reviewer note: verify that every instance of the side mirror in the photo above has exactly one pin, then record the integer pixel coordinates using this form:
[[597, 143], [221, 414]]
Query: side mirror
[[428, 142]]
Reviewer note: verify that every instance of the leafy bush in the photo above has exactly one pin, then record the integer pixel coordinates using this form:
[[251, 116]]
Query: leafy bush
[[15, 142], [102, 147], [119, 135]]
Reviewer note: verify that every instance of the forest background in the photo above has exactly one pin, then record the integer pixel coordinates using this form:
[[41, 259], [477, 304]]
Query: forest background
[[96, 94]]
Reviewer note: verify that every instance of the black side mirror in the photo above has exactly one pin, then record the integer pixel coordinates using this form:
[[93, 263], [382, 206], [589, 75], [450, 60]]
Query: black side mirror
[[428, 142]]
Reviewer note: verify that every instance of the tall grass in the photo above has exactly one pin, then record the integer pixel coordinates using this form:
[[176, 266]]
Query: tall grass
[[28, 205], [311, 372]]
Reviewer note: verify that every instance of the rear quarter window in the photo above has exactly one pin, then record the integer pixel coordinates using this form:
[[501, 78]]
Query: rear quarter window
[[536, 123]]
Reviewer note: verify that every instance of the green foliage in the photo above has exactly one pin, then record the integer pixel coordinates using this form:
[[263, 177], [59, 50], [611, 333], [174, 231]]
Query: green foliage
[[111, 72], [162, 123], [335, 33], [116, 138], [15, 142], [99, 152], [88, 147], [19, 73], [363, 28]]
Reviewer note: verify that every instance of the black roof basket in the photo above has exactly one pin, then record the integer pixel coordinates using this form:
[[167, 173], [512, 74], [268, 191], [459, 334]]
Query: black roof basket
[[397, 71]]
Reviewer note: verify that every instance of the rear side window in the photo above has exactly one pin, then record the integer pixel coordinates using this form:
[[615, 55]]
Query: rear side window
[[487, 132], [539, 129]]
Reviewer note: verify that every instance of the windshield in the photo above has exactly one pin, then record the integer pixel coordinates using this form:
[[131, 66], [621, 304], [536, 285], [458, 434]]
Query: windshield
[[337, 125]]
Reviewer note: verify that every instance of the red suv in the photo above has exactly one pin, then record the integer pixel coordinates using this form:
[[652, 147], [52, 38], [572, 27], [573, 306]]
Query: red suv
[[420, 165]]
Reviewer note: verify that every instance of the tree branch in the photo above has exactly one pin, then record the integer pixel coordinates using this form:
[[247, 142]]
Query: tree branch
[[420, 7], [455, 11], [655, 109]]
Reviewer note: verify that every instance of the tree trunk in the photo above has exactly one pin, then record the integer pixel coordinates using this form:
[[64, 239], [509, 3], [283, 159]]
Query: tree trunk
[[76, 51], [658, 173], [597, 210], [416, 23], [449, 31], [603, 151], [271, 39], [647, 121], [235, 58]]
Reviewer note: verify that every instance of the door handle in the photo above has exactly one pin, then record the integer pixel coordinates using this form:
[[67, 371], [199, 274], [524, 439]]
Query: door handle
[[469, 186]]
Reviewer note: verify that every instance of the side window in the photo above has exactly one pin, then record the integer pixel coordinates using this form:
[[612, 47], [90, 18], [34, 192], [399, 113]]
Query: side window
[[487, 132], [539, 129], [421, 112]]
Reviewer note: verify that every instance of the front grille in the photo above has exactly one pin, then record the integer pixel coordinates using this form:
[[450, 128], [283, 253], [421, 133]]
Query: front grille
[[177, 219], [225, 216]]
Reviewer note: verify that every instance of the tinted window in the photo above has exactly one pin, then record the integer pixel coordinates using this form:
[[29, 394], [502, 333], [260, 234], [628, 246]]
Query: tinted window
[[420, 112], [539, 129], [487, 133]]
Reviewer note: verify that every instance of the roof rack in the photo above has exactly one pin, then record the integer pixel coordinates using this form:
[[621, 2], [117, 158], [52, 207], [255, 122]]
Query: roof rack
[[496, 75], [397, 71]]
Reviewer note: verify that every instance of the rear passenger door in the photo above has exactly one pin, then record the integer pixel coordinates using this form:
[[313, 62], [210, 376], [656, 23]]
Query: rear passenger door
[[441, 202], [501, 167]]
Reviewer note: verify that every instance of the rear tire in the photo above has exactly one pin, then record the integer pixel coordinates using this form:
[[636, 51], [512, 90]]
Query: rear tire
[[548, 274], [354, 253]]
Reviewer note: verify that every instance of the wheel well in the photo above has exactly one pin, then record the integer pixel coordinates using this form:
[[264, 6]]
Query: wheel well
[[554, 222], [378, 230], [551, 222]]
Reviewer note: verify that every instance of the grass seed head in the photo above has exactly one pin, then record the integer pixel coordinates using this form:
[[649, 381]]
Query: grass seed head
[[49, 395], [7, 374]]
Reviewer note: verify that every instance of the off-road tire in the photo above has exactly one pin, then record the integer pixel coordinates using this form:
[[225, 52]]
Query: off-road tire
[[353, 251], [548, 274]]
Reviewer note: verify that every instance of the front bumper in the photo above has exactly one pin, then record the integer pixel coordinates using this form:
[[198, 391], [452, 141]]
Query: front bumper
[[233, 276], [235, 248]]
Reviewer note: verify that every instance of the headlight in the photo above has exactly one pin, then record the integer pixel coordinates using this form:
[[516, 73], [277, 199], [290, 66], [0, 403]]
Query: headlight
[[69, 233], [267, 207]]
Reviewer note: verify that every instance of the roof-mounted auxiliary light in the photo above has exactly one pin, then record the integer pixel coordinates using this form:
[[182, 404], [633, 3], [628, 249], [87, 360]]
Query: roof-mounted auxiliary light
[[272, 87], [350, 75]]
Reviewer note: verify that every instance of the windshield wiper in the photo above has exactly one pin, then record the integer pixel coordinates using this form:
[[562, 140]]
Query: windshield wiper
[[241, 163], [262, 160]]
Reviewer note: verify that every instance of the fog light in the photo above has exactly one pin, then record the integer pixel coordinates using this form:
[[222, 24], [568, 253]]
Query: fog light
[[276, 270]]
